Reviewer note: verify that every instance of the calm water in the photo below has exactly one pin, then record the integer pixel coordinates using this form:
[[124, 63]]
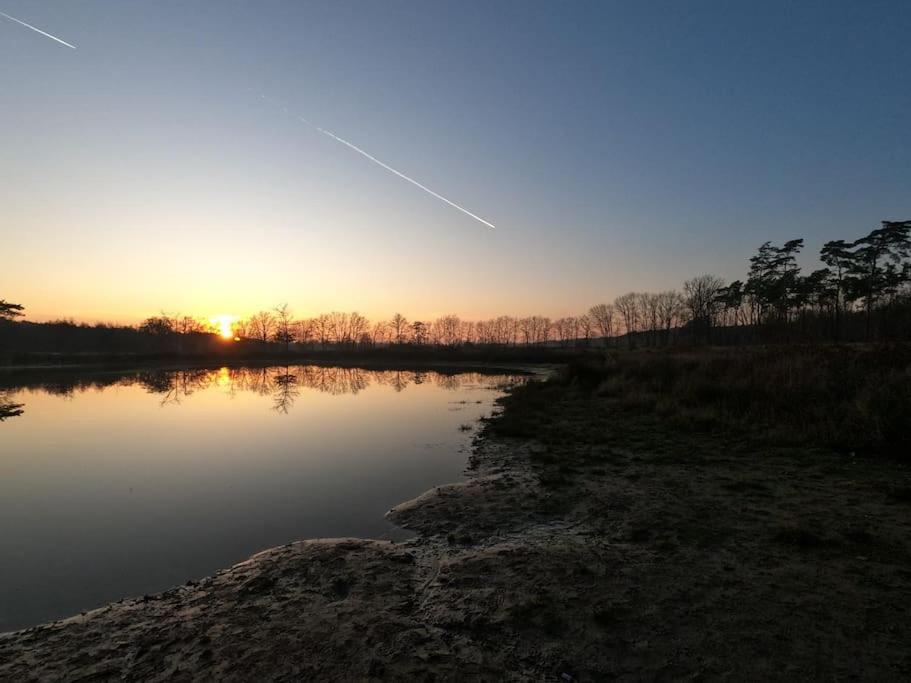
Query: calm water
[[124, 484]]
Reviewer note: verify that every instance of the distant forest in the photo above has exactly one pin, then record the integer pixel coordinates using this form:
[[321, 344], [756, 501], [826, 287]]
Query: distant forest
[[863, 293]]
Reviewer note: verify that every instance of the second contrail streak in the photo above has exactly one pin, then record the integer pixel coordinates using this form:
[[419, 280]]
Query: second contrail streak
[[398, 173], [62, 42], [389, 168]]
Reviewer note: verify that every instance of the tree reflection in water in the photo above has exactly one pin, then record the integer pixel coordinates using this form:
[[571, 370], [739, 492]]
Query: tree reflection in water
[[283, 384], [8, 410]]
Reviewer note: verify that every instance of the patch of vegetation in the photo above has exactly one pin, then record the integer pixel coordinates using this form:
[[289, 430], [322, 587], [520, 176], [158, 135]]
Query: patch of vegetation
[[853, 399]]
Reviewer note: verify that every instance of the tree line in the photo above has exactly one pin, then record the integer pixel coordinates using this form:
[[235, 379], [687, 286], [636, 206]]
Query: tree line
[[862, 292]]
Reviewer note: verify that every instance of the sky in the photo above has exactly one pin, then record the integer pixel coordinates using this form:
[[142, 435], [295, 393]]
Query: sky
[[615, 146]]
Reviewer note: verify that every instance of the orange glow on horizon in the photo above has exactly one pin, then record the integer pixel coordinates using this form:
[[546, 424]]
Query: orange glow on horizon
[[224, 325]]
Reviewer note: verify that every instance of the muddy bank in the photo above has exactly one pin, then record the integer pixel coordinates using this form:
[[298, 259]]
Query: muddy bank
[[640, 554]]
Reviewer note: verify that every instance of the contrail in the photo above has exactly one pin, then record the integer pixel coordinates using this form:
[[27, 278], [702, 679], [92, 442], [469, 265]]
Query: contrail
[[62, 42], [380, 163]]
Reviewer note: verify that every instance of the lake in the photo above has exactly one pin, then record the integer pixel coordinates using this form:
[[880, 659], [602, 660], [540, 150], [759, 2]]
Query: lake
[[127, 483]]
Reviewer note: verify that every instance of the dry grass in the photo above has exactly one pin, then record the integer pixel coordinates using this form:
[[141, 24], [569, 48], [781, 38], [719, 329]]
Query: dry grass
[[853, 399]]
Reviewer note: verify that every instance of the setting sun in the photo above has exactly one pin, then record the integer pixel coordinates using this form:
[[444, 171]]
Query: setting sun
[[224, 325]]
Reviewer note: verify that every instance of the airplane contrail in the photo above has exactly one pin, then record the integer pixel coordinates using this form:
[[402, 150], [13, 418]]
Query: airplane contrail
[[372, 158], [62, 42]]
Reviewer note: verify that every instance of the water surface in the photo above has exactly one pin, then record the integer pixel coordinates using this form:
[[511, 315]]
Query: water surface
[[123, 484]]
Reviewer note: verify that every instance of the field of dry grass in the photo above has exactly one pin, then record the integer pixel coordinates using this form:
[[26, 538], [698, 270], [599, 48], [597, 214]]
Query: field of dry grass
[[850, 398]]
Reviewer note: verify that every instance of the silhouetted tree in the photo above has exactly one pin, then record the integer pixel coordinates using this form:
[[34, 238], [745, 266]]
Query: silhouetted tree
[[261, 326], [286, 391], [399, 328], [419, 333], [701, 299], [839, 257], [649, 305], [358, 327], [380, 333], [320, 326], [303, 332], [186, 324], [446, 330], [157, 325], [586, 328], [627, 305], [774, 279], [670, 311], [9, 310], [283, 331], [8, 407], [566, 329], [874, 268], [603, 317]]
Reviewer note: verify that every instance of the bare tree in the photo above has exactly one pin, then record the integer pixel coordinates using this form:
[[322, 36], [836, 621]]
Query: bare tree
[[186, 324], [283, 331], [566, 329], [304, 332], [399, 328], [321, 332], [527, 329], [240, 328], [701, 298], [543, 328], [286, 391], [586, 327], [467, 332], [380, 333], [482, 332], [603, 317], [338, 327], [627, 305], [649, 314], [670, 311], [505, 330], [358, 326], [261, 326], [446, 330]]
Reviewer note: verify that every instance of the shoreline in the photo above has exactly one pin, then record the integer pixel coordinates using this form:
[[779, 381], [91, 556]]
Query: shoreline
[[343, 576], [17, 376], [646, 553]]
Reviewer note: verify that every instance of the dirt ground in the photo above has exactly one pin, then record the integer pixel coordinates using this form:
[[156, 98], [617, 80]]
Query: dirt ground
[[637, 553]]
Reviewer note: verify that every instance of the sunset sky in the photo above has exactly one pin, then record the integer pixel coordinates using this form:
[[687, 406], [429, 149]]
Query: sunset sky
[[615, 145]]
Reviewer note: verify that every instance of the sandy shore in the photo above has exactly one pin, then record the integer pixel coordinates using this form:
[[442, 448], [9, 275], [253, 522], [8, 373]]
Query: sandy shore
[[340, 608], [667, 558]]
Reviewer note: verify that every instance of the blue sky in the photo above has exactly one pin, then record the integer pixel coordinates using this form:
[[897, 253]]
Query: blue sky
[[616, 146]]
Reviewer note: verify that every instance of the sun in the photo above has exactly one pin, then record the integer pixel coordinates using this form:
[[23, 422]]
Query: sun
[[224, 325]]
